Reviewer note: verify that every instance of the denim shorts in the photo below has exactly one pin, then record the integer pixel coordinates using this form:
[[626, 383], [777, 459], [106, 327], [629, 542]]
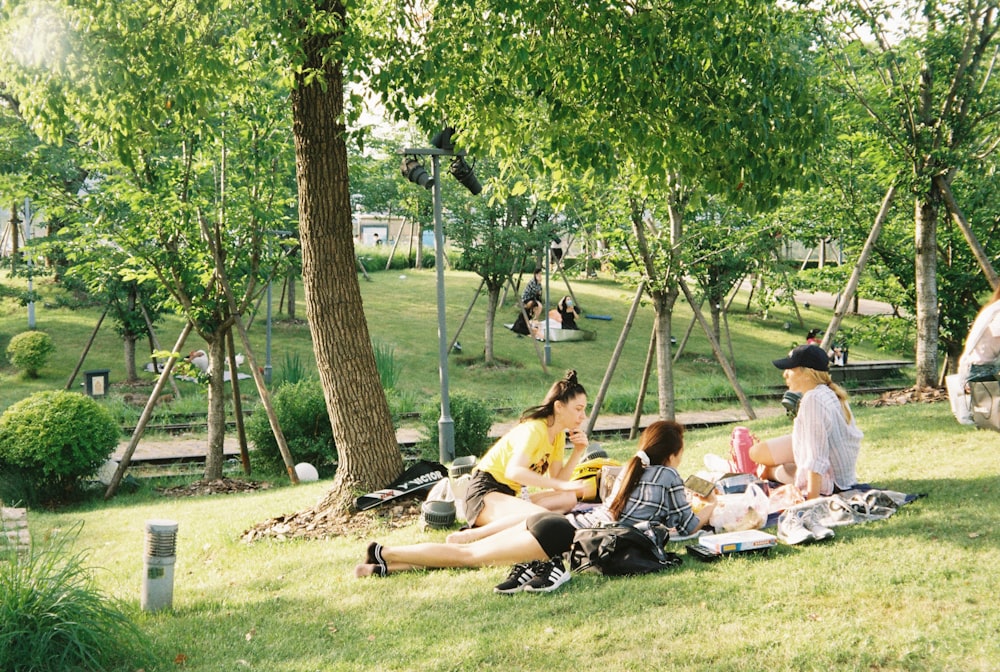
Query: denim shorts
[[482, 484]]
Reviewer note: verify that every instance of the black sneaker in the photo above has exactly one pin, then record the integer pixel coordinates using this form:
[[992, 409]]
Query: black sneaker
[[548, 577], [519, 575]]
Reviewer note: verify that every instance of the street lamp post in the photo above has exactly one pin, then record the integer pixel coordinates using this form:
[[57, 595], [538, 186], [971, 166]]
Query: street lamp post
[[464, 173], [416, 174], [545, 315], [446, 426]]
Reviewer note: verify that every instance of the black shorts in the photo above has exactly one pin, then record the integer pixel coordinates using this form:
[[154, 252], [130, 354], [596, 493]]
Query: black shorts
[[482, 484], [553, 532]]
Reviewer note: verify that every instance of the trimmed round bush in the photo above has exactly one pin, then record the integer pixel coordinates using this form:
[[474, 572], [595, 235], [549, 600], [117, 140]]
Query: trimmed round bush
[[29, 351], [56, 438], [305, 424], [472, 420]]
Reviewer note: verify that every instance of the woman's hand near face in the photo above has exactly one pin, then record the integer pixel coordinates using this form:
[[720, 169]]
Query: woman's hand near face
[[578, 438]]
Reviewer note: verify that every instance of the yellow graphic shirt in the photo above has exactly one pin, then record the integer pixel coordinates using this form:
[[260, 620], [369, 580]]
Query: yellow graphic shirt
[[531, 437]]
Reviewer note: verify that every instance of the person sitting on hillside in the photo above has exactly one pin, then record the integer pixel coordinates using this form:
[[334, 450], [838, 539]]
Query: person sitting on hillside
[[567, 313], [533, 290], [521, 325]]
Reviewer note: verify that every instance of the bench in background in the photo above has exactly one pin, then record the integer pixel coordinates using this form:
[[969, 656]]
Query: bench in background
[[879, 369]]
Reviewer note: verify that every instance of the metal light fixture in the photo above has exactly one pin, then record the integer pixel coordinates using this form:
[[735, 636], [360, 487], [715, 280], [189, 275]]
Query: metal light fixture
[[460, 170], [465, 174], [414, 171]]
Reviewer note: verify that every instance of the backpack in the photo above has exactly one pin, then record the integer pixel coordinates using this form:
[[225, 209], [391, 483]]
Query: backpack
[[591, 470], [619, 550]]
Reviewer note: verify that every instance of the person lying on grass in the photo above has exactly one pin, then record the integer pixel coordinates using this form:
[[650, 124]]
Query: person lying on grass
[[821, 453], [529, 455], [649, 489]]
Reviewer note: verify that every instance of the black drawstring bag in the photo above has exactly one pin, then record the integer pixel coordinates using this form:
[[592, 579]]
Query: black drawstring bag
[[620, 550]]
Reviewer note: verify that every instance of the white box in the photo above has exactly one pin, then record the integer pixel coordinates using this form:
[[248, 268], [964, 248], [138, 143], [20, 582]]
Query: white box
[[734, 542]]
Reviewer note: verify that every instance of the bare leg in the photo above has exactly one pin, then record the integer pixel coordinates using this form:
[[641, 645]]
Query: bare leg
[[776, 458], [504, 511], [512, 545], [489, 529]]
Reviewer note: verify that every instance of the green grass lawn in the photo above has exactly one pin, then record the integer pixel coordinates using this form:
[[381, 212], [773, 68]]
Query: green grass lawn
[[915, 592], [400, 308]]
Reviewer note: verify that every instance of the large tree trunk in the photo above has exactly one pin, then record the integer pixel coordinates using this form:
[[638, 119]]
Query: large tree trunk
[[368, 454], [925, 216], [216, 407]]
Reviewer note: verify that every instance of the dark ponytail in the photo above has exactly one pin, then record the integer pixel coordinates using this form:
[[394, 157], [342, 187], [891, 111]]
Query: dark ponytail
[[562, 390], [659, 441]]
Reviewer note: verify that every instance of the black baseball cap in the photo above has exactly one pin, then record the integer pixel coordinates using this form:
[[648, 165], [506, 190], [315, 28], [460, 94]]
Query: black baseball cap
[[810, 356]]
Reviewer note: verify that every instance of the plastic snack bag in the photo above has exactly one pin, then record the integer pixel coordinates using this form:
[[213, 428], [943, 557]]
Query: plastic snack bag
[[784, 497], [740, 511]]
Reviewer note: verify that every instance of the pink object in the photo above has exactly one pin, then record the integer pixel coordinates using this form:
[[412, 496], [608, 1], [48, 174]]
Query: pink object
[[739, 451]]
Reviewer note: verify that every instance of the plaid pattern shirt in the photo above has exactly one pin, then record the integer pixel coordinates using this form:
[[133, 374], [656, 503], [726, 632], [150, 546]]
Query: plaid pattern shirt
[[659, 496]]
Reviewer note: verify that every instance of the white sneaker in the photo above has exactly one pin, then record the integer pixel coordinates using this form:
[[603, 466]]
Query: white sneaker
[[549, 576], [818, 531], [791, 529]]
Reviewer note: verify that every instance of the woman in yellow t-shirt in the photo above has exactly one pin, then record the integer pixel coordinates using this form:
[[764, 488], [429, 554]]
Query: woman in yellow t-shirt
[[531, 455]]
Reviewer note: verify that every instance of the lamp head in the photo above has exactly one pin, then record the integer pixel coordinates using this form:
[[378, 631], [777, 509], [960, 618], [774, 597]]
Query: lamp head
[[414, 171], [464, 173], [444, 139]]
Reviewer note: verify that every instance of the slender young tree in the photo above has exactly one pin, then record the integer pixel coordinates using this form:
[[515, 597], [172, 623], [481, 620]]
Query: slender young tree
[[923, 72], [185, 150]]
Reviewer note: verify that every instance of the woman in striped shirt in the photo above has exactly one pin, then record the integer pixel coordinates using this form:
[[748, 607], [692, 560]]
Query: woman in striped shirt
[[821, 453]]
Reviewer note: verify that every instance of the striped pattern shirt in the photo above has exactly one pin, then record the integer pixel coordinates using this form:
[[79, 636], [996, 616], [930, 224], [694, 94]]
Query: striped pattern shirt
[[824, 442]]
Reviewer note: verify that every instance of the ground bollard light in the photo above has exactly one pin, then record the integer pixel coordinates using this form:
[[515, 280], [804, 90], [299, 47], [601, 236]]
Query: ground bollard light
[[158, 565], [415, 172]]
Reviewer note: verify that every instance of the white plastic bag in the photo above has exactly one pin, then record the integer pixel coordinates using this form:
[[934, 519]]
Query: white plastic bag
[[958, 398], [740, 511]]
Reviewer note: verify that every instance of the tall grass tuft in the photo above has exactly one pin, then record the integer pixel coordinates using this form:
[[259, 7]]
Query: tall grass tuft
[[53, 617], [389, 368], [293, 370]]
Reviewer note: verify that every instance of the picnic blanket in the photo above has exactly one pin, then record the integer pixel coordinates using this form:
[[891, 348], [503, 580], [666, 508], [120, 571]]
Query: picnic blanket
[[812, 520], [861, 504]]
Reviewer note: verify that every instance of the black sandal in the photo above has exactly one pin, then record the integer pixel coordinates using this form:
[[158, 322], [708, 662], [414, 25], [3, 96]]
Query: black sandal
[[374, 557]]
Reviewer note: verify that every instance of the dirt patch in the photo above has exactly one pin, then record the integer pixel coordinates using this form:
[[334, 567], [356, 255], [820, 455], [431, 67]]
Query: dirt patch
[[479, 362], [218, 486], [324, 524], [309, 524], [911, 395]]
